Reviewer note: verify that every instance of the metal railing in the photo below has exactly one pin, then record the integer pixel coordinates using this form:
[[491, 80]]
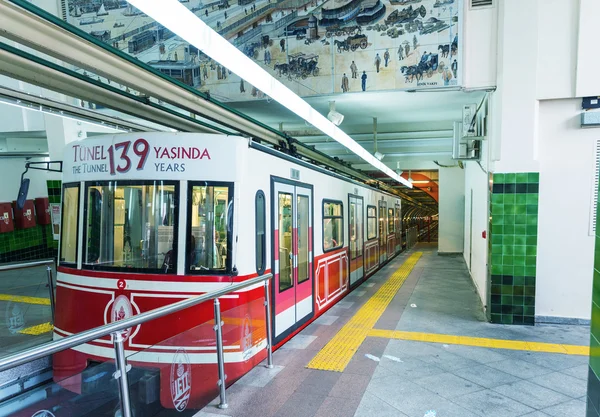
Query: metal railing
[[115, 329], [33, 264]]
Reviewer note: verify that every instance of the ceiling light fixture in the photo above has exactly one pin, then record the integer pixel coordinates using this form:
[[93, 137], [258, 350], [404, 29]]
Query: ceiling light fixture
[[177, 18]]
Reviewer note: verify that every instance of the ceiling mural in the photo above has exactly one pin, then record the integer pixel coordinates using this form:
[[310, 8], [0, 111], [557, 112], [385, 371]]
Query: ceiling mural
[[313, 46]]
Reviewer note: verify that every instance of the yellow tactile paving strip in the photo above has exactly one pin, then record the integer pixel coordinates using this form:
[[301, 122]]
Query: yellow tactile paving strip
[[39, 329], [338, 352], [26, 300], [482, 342]]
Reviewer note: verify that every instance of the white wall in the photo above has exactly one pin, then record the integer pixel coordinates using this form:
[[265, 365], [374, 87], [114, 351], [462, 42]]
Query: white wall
[[588, 58], [12, 168], [557, 48], [452, 210], [480, 46], [475, 246], [565, 255]]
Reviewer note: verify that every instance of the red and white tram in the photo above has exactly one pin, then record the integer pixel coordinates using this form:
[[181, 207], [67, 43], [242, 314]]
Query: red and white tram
[[154, 218]]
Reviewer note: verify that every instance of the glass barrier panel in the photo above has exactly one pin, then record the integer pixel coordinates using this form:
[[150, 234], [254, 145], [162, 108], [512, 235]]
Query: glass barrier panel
[[179, 374], [92, 392], [25, 313], [244, 334]]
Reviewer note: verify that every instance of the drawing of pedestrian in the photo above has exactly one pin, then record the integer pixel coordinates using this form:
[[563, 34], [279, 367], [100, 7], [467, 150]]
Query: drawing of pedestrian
[[224, 72], [219, 75], [354, 70], [225, 15], [282, 44], [377, 61], [242, 89], [415, 43], [345, 87], [455, 68], [364, 80], [265, 57], [406, 49], [204, 72], [268, 52], [246, 11], [400, 52], [386, 57], [206, 12]]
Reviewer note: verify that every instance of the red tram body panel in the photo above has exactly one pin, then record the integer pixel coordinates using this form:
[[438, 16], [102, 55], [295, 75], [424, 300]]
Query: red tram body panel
[[158, 218]]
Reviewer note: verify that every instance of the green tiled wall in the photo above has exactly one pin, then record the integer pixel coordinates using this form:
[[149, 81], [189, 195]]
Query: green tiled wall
[[593, 393], [33, 243], [513, 247]]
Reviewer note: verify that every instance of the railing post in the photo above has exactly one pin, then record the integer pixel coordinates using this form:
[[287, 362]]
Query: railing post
[[220, 360], [51, 290], [121, 373], [268, 321]]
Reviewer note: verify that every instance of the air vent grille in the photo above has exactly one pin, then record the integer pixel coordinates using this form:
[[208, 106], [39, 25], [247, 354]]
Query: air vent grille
[[475, 4], [595, 183]]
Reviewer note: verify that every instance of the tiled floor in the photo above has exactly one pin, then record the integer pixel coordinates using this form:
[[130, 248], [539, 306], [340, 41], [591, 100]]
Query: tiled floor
[[417, 379]]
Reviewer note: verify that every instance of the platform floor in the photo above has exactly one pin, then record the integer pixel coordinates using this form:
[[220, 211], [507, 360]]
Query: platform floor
[[445, 376]]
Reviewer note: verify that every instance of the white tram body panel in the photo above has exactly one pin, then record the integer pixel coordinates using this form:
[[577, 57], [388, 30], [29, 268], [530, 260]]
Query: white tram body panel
[[153, 218]]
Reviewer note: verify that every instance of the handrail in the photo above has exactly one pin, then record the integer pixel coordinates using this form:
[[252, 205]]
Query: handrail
[[10, 267], [68, 342]]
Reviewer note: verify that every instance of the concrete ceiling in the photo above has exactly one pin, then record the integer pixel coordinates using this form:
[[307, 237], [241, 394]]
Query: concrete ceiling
[[413, 130]]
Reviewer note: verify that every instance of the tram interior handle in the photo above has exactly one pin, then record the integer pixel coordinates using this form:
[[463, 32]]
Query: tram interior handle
[[24, 187]]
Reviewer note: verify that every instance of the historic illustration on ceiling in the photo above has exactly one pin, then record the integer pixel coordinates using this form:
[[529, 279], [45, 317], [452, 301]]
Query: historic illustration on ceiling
[[313, 46]]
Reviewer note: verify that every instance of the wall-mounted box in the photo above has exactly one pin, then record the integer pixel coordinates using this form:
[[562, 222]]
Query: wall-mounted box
[[42, 210], [6, 218], [24, 219]]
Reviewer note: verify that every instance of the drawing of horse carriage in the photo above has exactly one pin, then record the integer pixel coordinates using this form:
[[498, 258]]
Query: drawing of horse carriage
[[352, 43], [406, 15], [427, 66], [300, 66], [342, 31]]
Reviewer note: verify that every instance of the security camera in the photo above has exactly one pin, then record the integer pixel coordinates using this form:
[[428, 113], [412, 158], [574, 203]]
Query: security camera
[[378, 155], [333, 116]]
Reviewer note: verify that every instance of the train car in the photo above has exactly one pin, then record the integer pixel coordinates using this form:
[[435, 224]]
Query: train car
[[150, 219], [141, 41]]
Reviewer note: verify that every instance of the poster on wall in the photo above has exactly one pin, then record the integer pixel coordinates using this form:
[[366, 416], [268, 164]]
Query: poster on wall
[[55, 214], [312, 46]]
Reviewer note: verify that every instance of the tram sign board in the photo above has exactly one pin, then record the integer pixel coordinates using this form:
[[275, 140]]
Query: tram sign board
[[167, 156]]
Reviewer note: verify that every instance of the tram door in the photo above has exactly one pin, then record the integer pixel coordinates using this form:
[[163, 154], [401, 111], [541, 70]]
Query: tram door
[[293, 266], [383, 231], [356, 216]]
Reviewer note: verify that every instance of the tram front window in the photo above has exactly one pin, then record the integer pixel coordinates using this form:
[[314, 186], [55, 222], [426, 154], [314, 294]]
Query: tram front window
[[131, 226], [209, 239]]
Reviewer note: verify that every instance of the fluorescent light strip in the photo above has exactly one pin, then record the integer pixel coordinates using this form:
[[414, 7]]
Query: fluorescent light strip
[[177, 18]]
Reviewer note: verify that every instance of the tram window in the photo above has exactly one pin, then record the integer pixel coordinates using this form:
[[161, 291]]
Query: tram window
[[70, 216], [333, 237], [382, 222], [285, 241], [352, 237], [211, 227], [371, 222], [261, 237], [302, 233], [391, 228], [131, 226]]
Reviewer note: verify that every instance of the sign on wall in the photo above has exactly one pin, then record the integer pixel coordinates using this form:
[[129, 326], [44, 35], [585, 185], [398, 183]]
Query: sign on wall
[[313, 46]]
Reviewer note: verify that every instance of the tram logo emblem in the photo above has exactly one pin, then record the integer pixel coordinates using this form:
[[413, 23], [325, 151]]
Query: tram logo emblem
[[28, 214], [181, 380], [121, 309], [5, 218], [43, 413], [246, 339], [15, 318]]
